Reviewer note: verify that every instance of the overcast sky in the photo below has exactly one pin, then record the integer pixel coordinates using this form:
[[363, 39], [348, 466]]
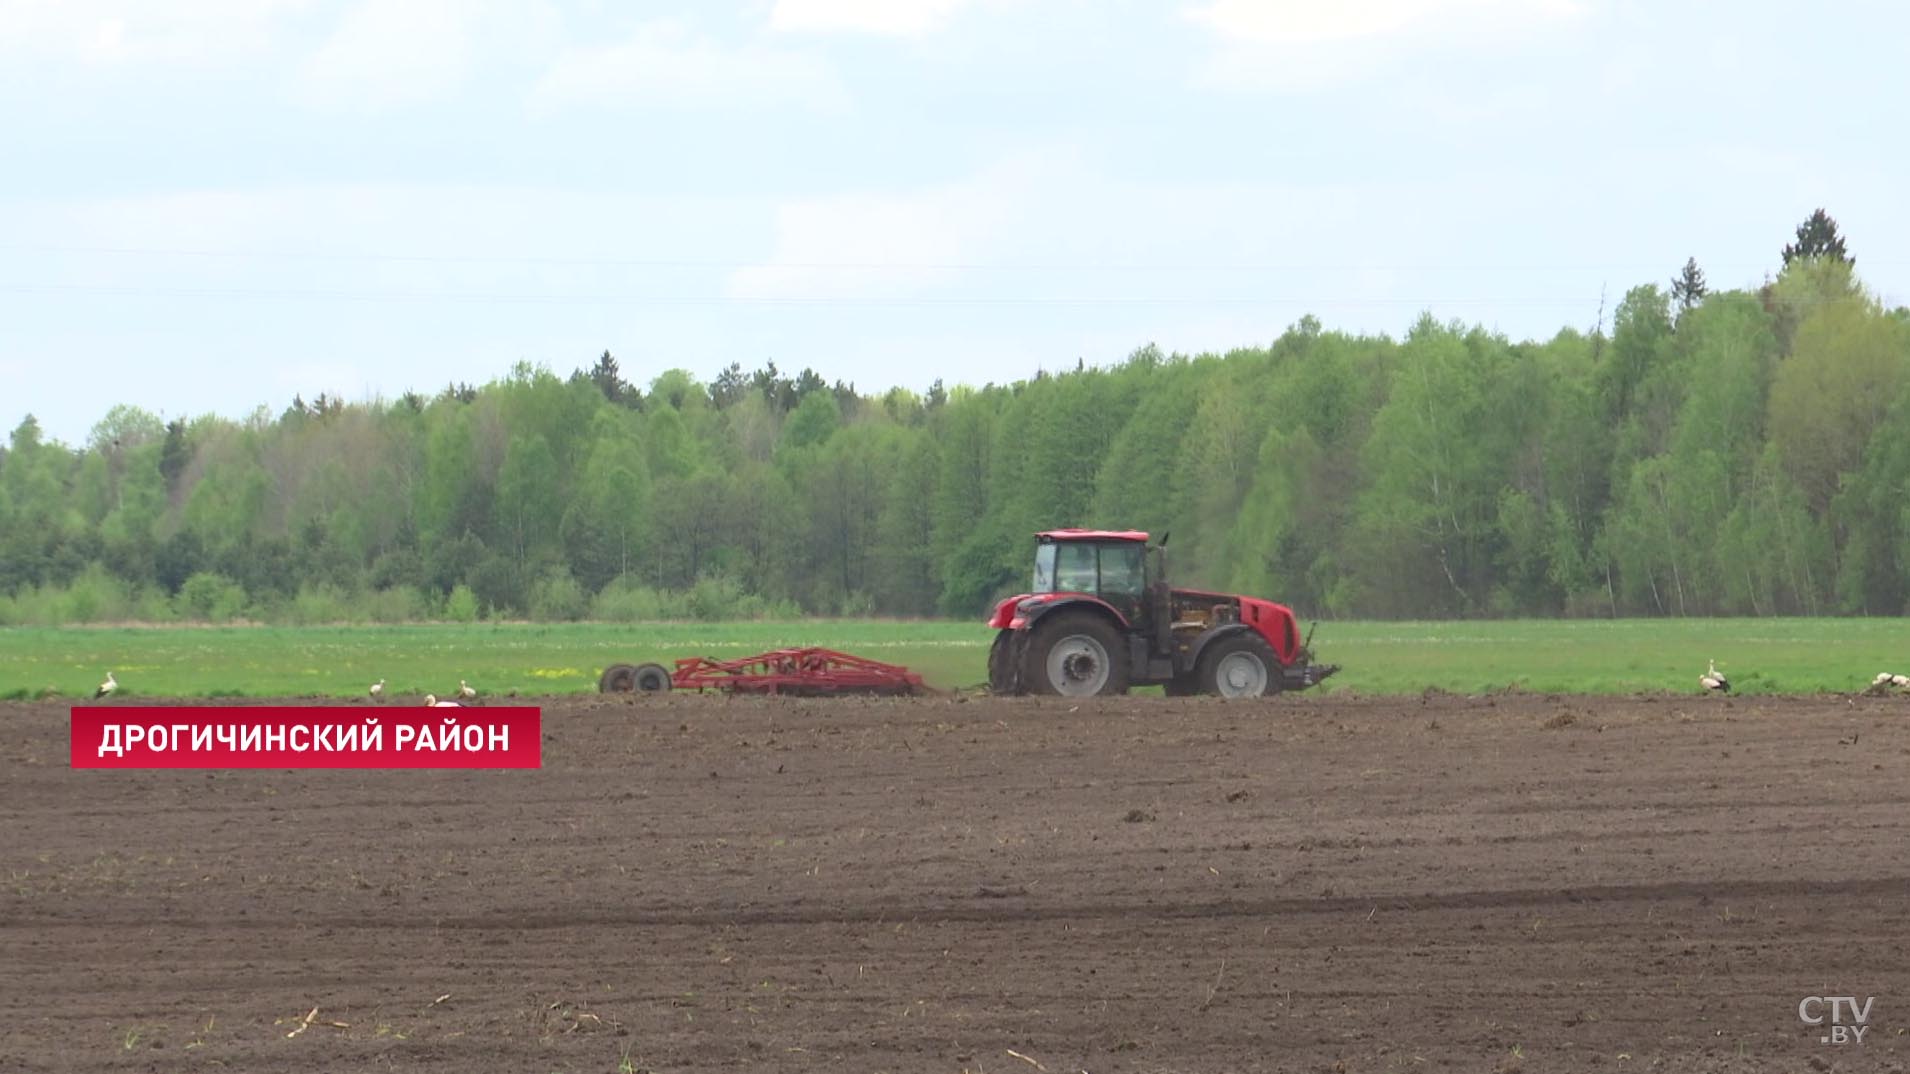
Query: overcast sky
[[206, 205]]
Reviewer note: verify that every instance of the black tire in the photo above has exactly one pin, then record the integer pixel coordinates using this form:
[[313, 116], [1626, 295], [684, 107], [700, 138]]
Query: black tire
[[1074, 654], [653, 678], [617, 679], [631, 678], [1001, 664], [1242, 665]]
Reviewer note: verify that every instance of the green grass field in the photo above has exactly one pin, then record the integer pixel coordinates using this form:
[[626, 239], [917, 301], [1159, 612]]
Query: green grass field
[[1760, 655]]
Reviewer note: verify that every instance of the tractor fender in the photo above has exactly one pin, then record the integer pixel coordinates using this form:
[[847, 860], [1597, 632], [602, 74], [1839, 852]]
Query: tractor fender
[[1004, 614], [1022, 613], [1208, 637]]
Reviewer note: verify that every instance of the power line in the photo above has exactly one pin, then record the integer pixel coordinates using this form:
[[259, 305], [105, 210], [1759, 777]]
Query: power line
[[300, 294], [961, 266]]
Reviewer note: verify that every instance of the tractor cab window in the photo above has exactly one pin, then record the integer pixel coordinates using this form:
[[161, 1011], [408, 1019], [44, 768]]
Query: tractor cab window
[[1044, 569], [1121, 571], [1074, 568], [1114, 571]]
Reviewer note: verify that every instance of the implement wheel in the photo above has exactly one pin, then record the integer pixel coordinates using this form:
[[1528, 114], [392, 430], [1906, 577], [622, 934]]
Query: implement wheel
[[1074, 654], [630, 678]]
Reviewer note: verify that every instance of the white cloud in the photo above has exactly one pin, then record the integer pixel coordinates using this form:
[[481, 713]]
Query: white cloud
[[490, 237], [361, 253], [889, 18], [1305, 44], [890, 244], [666, 63], [1288, 22], [1041, 226], [106, 32], [341, 379], [402, 52]]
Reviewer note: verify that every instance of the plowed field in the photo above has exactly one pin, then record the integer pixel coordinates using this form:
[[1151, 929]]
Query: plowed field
[[1311, 884]]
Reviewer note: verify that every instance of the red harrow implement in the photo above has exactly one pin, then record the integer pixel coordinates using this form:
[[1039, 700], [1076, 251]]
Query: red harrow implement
[[805, 672]]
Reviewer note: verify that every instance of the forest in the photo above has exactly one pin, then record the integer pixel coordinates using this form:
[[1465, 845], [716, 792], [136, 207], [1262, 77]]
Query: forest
[[1741, 452]]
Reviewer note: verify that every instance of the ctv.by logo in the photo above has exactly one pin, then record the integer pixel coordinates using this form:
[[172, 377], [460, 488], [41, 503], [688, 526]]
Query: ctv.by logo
[[1847, 1021]]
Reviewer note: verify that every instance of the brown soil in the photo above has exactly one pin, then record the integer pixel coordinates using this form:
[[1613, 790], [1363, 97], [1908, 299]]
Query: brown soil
[[1317, 884]]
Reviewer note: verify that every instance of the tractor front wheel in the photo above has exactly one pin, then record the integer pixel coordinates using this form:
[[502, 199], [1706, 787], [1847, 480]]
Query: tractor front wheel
[[1240, 666], [1001, 664], [1075, 655]]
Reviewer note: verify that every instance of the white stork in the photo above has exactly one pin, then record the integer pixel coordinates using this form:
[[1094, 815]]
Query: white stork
[[1900, 681], [1714, 680], [378, 690], [465, 691], [106, 687], [1884, 678]]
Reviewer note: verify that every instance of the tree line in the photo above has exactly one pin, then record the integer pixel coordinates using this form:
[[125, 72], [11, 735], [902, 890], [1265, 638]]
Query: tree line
[[1741, 452]]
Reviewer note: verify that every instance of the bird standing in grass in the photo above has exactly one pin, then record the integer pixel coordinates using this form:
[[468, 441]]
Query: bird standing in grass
[[106, 687], [1714, 680], [378, 690], [464, 690]]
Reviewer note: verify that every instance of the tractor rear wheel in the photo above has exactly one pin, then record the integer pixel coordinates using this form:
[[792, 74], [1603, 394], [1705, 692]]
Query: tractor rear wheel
[[1240, 666], [1074, 654], [1001, 664]]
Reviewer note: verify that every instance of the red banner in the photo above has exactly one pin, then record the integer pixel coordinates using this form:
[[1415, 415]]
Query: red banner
[[122, 736]]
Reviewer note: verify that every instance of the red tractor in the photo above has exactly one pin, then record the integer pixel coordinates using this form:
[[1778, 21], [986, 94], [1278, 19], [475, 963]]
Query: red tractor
[[1102, 618]]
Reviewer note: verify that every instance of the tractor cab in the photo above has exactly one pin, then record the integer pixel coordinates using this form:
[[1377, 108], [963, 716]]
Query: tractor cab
[[1113, 566]]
